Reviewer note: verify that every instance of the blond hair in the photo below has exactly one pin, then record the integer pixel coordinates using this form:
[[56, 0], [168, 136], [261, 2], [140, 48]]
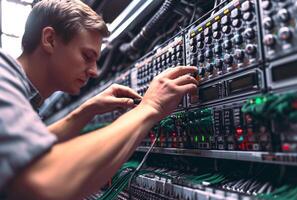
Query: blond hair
[[66, 17]]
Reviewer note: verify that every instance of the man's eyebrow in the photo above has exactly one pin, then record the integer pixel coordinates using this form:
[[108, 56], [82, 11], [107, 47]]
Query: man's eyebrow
[[95, 54]]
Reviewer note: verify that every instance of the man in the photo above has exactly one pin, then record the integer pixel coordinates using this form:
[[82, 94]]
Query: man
[[61, 44]]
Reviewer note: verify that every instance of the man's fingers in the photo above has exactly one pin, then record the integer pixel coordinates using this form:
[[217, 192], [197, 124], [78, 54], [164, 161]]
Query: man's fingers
[[188, 88], [180, 71], [125, 102], [185, 79], [123, 91]]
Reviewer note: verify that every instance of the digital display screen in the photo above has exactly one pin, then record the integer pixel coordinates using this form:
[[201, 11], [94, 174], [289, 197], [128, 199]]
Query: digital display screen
[[209, 93], [284, 72], [242, 83]]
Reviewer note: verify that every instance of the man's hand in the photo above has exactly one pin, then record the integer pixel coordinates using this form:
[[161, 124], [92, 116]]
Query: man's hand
[[168, 88], [114, 97]]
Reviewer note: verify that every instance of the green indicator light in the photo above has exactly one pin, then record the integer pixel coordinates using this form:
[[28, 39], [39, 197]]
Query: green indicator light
[[251, 101], [258, 100], [203, 138], [196, 138], [240, 138], [264, 99]]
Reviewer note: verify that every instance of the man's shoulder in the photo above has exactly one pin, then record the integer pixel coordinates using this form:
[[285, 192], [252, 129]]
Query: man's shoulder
[[12, 73], [7, 61]]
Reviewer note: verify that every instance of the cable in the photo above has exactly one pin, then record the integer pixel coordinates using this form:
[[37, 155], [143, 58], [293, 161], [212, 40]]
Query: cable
[[139, 166]]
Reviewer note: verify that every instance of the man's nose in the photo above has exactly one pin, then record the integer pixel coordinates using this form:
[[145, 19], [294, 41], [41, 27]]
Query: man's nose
[[92, 71]]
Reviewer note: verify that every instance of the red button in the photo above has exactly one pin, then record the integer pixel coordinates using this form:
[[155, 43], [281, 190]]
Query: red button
[[286, 147]]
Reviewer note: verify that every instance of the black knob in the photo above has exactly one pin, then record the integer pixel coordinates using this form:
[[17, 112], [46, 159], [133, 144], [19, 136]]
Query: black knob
[[179, 54], [239, 54], [246, 6], [201, 71], [200, 37], [249, 33], [208, 54], [238, 39], [168, 60], [225, 20], [235, 13], [250, 49], [173, 57], [216, 26], [228, 59], [200, 45], [193, 49], [208, 40], [192, 41], [268, 23], [179, 47], [193, 61], [159, 59], [266, 5], [283, 15], [207, 32], [216, 35], [209, 67], [226, 29], [219, 64], [218, 49], [168, 54], [201, 58], [248, 16], [285, 34], [236, 23], [227, 45], [269, 40]]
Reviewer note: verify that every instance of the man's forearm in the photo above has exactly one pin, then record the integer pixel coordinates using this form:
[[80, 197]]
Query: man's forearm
[[86, 163], [69, 126]]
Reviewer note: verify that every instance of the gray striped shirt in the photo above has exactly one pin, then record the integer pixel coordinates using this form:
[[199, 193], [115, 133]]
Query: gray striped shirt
[[23, 136]]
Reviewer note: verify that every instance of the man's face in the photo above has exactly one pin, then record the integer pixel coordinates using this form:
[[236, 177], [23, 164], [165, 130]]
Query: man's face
[[73, 63]]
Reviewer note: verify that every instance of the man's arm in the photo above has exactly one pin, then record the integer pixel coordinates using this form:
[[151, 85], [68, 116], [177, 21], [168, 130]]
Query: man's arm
[[74, 169], [114, 97]]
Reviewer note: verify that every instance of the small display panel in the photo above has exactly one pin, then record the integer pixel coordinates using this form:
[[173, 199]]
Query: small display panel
[[209, 93], [284, 72], [243, 83]]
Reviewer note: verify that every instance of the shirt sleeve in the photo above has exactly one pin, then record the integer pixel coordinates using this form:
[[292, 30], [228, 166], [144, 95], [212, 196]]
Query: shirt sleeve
[[23, 136]]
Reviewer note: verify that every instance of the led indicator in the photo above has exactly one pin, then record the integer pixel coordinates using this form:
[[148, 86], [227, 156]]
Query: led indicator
[[196, 138], [294, 104], [258, 100], [286, 147], [240, 139], [251, 101], [239, 131], [208, 24], [217, 18], [200, 29], [226, 11], [203, 138]]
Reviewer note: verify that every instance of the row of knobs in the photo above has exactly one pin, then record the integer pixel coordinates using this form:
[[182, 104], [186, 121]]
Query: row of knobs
[[283, 16], [214, 32], [238, 39]]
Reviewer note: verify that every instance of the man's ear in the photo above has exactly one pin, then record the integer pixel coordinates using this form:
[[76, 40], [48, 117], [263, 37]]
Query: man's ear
[[48, 37]]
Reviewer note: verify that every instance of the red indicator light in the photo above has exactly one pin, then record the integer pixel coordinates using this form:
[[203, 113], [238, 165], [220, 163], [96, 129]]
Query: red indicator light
[[173, 134], [294, 105], [239, 131], [286, 147]]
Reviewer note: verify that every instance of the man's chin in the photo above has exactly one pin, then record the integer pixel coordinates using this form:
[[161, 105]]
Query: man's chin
[[73, 91]]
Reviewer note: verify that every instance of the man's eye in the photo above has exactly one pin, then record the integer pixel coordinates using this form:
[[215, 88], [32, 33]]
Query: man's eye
[[87, 57]]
